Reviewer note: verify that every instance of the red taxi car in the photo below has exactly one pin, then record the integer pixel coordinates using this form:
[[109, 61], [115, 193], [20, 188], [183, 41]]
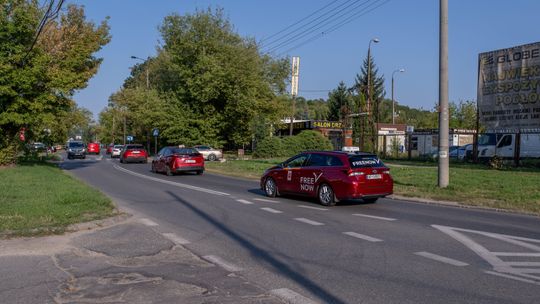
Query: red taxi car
[[171, 160], [93, 148], [330, 177], [133, 153]]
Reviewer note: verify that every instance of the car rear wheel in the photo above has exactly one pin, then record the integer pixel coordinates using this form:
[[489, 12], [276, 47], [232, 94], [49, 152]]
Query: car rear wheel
[[270, 187], [212, 157], [326, 195]]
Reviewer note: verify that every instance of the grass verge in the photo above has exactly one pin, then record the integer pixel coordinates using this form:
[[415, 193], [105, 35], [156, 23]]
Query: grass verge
[[474, 185], [37, 199]]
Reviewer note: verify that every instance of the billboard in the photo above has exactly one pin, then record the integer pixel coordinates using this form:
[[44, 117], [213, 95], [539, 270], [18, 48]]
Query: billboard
[[509, 88]]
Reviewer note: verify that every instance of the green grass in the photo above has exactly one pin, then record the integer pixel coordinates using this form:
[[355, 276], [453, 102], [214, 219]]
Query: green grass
[[516, 189], [36, 198]]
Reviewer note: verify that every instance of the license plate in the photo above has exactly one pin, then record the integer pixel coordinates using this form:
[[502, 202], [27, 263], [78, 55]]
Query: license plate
[[136, 152], [190, 161], [374, 176]]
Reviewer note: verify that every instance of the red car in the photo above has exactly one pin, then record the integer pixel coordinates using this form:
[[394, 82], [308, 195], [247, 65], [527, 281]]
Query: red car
[[109, 149], [133, 153], [93, 148], [330, 177], [171, 160]]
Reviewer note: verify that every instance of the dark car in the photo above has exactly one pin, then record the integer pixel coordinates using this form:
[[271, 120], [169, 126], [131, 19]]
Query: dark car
[[76, 149], [330, 177], [133, 154], [171, 160]]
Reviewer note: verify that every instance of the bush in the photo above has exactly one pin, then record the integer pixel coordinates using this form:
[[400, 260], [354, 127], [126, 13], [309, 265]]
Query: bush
[[291, 145], [269, 147]]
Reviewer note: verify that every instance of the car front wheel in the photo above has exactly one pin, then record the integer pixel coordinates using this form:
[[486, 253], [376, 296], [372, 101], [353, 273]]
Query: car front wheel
[[212, 157], [326, 195], [270, 187]]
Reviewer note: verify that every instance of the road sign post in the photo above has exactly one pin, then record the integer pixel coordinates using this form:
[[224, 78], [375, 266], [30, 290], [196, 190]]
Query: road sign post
[[155, 133]]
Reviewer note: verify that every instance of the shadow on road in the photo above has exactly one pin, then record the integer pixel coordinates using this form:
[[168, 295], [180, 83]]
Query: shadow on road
[[281, 267]]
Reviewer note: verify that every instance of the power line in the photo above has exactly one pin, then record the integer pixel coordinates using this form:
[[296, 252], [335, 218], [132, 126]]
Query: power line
[[337, 26], [297, 22], [329, 20], [294, 30]]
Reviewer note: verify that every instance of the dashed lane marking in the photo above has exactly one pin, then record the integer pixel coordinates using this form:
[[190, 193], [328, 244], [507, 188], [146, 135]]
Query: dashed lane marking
[[271, 210], [310, 222], [362, 237], [243, 201], [176, 239], [313, 208], [159, 180], [222, 263], [375, 217], [291, 297], [265, 200], [441, 258], [148, 222]]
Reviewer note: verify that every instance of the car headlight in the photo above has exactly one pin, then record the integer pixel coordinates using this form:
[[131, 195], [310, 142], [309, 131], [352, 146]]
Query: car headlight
[[69, 150]]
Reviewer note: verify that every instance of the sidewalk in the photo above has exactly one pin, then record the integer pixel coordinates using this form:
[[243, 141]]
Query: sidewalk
[[125, 262]]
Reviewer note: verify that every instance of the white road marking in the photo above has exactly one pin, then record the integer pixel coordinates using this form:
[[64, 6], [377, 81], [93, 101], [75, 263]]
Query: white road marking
[[508, 276], [311, 207], [271, 210], [363, 237], [171, 182], [305, 220], [265, 200], [291, 297], [375, 217], [441, 258], [506, 266], [148, 222], [243, 201], [222, 263], [176, 239]]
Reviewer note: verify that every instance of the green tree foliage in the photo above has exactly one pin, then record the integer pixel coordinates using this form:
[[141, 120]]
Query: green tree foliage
[[37, 83], [340, 103], [220, 81]]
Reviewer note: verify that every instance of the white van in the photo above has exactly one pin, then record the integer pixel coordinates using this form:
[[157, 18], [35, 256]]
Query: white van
[[503, 145]]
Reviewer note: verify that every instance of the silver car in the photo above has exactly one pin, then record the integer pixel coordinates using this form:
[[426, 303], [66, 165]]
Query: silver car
[[116, 150], [209, 153]]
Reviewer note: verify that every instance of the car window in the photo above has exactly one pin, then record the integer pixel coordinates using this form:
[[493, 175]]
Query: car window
[[203, 148], [185, 151], [316, 160], [365, 161], [297, 161], [333, 161], [76, 145], [134, 147]]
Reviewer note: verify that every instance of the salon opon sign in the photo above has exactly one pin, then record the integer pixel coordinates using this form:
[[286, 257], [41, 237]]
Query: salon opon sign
[[509, 88]]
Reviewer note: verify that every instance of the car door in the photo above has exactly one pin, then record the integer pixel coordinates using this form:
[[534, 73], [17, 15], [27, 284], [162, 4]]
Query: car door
[[311, 173], [292, 170]]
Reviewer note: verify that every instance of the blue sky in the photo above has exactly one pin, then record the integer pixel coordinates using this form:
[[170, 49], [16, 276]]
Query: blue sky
[[408, 32]]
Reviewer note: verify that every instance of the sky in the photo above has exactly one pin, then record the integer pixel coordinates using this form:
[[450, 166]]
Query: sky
[[408, 33]]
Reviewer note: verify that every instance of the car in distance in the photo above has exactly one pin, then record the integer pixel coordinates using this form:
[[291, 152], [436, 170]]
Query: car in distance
[[93, 148], [76, 149], [116, 150], [171, 160], [330, 176], [133, 153], [208, 152], [109, 149]]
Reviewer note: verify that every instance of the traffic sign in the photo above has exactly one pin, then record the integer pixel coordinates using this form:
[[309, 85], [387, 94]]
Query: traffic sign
[[155, 132], [129, 138]]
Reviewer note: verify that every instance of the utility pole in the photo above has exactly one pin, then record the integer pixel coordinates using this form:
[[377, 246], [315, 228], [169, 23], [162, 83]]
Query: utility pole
[[294, 88], [443, 172]]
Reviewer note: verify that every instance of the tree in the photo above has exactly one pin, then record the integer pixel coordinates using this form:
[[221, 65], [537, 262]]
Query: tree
[[376, 91], [213, 83], [339, 103], [40, 76]]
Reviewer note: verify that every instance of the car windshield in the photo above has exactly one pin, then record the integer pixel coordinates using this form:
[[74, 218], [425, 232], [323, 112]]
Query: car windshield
[[487, 140], [76, 145], [118, 146], [365, 161], [134, 147]]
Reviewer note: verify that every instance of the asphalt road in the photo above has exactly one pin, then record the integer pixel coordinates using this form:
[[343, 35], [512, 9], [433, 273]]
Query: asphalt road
[[389, 252]]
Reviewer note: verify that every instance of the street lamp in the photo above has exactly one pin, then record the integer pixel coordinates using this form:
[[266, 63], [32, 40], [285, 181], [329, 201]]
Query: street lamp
[[147, 79], [393, 102]]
